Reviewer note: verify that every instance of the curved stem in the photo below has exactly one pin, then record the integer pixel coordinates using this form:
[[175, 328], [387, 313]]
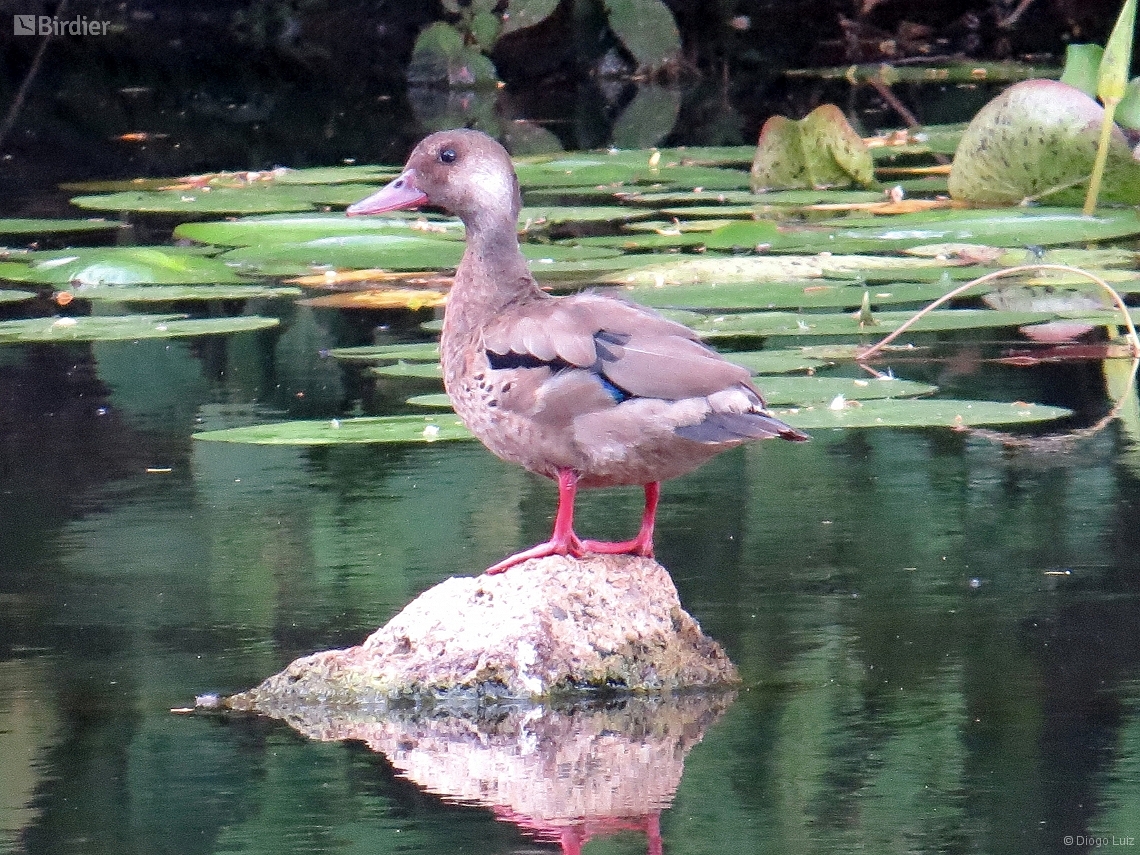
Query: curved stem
[[1118, 301]]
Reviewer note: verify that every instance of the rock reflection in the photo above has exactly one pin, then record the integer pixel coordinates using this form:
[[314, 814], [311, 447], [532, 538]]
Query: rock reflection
[[562, 774]]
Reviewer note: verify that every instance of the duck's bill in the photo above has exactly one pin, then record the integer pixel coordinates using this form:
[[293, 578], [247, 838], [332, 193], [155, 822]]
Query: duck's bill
[[401, 192]]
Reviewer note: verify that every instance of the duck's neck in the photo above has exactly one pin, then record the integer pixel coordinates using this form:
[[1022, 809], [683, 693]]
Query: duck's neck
[[492, 275]]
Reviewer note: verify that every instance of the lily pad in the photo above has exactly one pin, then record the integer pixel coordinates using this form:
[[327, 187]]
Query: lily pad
[[349, 174], [413, 299], [804, 324], [368, 429], [820, 150], [784, 361], [1004, 228], [782, 295], [784, 391], [437, 401], [417, 370], [20, 226], [119, 265], [552, 215], [179, 293], [258, 198], [647, 30], [11, 295], [297, 228], [125, 328], [1037, 140], [939, 412], [591, 170], [388, 251], [420, 351], [751, 269]]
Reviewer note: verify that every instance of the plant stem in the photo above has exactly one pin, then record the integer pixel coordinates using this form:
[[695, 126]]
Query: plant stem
[[1101, 156]]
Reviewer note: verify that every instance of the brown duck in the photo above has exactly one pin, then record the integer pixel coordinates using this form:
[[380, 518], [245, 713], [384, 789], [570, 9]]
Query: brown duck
[[588, 390]]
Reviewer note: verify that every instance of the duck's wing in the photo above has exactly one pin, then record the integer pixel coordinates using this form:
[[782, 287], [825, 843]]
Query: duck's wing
[[631, 349]]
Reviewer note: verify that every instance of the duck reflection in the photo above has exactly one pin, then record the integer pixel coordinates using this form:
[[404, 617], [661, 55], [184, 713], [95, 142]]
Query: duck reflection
[[563, 774]]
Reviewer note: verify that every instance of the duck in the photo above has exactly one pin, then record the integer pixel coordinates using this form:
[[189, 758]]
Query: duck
[[588, 389]]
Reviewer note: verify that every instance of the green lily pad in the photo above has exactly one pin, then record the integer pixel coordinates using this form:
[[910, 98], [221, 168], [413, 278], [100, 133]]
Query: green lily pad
[[750, 269], [647, 30], [1004, 228], [11, 295], [785, 361], [805, 391], [118, 265], [1038, 140], [820, 150], [178, 293], [800, 324], [809, 294], [258, 198], [349, 174], [390, 252], [125, 328], [297, 228], [591, 170], [20, 226], [907, 413], [437, 401], [421, 351], [552, 215], [360, 251], [368, 429], [418, 370]]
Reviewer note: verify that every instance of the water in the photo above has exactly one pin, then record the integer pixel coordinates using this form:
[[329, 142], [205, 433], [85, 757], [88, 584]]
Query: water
[[939, 637]]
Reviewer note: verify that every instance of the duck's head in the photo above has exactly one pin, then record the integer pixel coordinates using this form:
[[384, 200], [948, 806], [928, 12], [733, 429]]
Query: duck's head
[[465, 172]]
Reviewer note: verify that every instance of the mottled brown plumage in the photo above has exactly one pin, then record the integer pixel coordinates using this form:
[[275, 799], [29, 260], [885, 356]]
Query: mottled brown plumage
[[588, 389]]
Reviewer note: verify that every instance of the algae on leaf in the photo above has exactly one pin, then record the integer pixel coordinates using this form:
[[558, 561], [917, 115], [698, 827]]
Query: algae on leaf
[[818, 151]]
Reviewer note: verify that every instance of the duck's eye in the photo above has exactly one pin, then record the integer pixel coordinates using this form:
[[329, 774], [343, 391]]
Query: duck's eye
[[447, 156]]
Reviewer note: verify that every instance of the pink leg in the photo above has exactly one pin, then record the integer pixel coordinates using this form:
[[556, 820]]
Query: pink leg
[[653, 832], [643, 543], [563, 541]]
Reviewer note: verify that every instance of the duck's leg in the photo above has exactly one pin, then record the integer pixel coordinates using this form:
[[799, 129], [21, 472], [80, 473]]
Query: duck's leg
[[643, 543], [563, 541]]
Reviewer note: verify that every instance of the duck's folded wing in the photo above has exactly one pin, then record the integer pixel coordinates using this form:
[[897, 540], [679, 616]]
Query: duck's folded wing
[[636, 350]]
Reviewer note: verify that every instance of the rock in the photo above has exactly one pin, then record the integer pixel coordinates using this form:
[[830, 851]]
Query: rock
[[551, 627]]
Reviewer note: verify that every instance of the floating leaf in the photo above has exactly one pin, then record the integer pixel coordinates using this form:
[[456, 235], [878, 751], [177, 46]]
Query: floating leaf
[[820, 150], [297, 228], [782, 295], [369, 429], [550, 215], [1037, 140], [336, 174], [1004, 228], [119, 265], [437, 401], [589, 170], [647, 30], [802, 324], [258, 198], [387, 298], [178, 293], [921, 413], [11, 295], [742, 269], [417, 370], [389, 251], [125, 328], [420, 351], [48, 227], [787, 361], [805, 391]]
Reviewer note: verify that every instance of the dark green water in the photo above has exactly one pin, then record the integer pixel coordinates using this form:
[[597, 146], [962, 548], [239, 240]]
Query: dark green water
[[940, 638]]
